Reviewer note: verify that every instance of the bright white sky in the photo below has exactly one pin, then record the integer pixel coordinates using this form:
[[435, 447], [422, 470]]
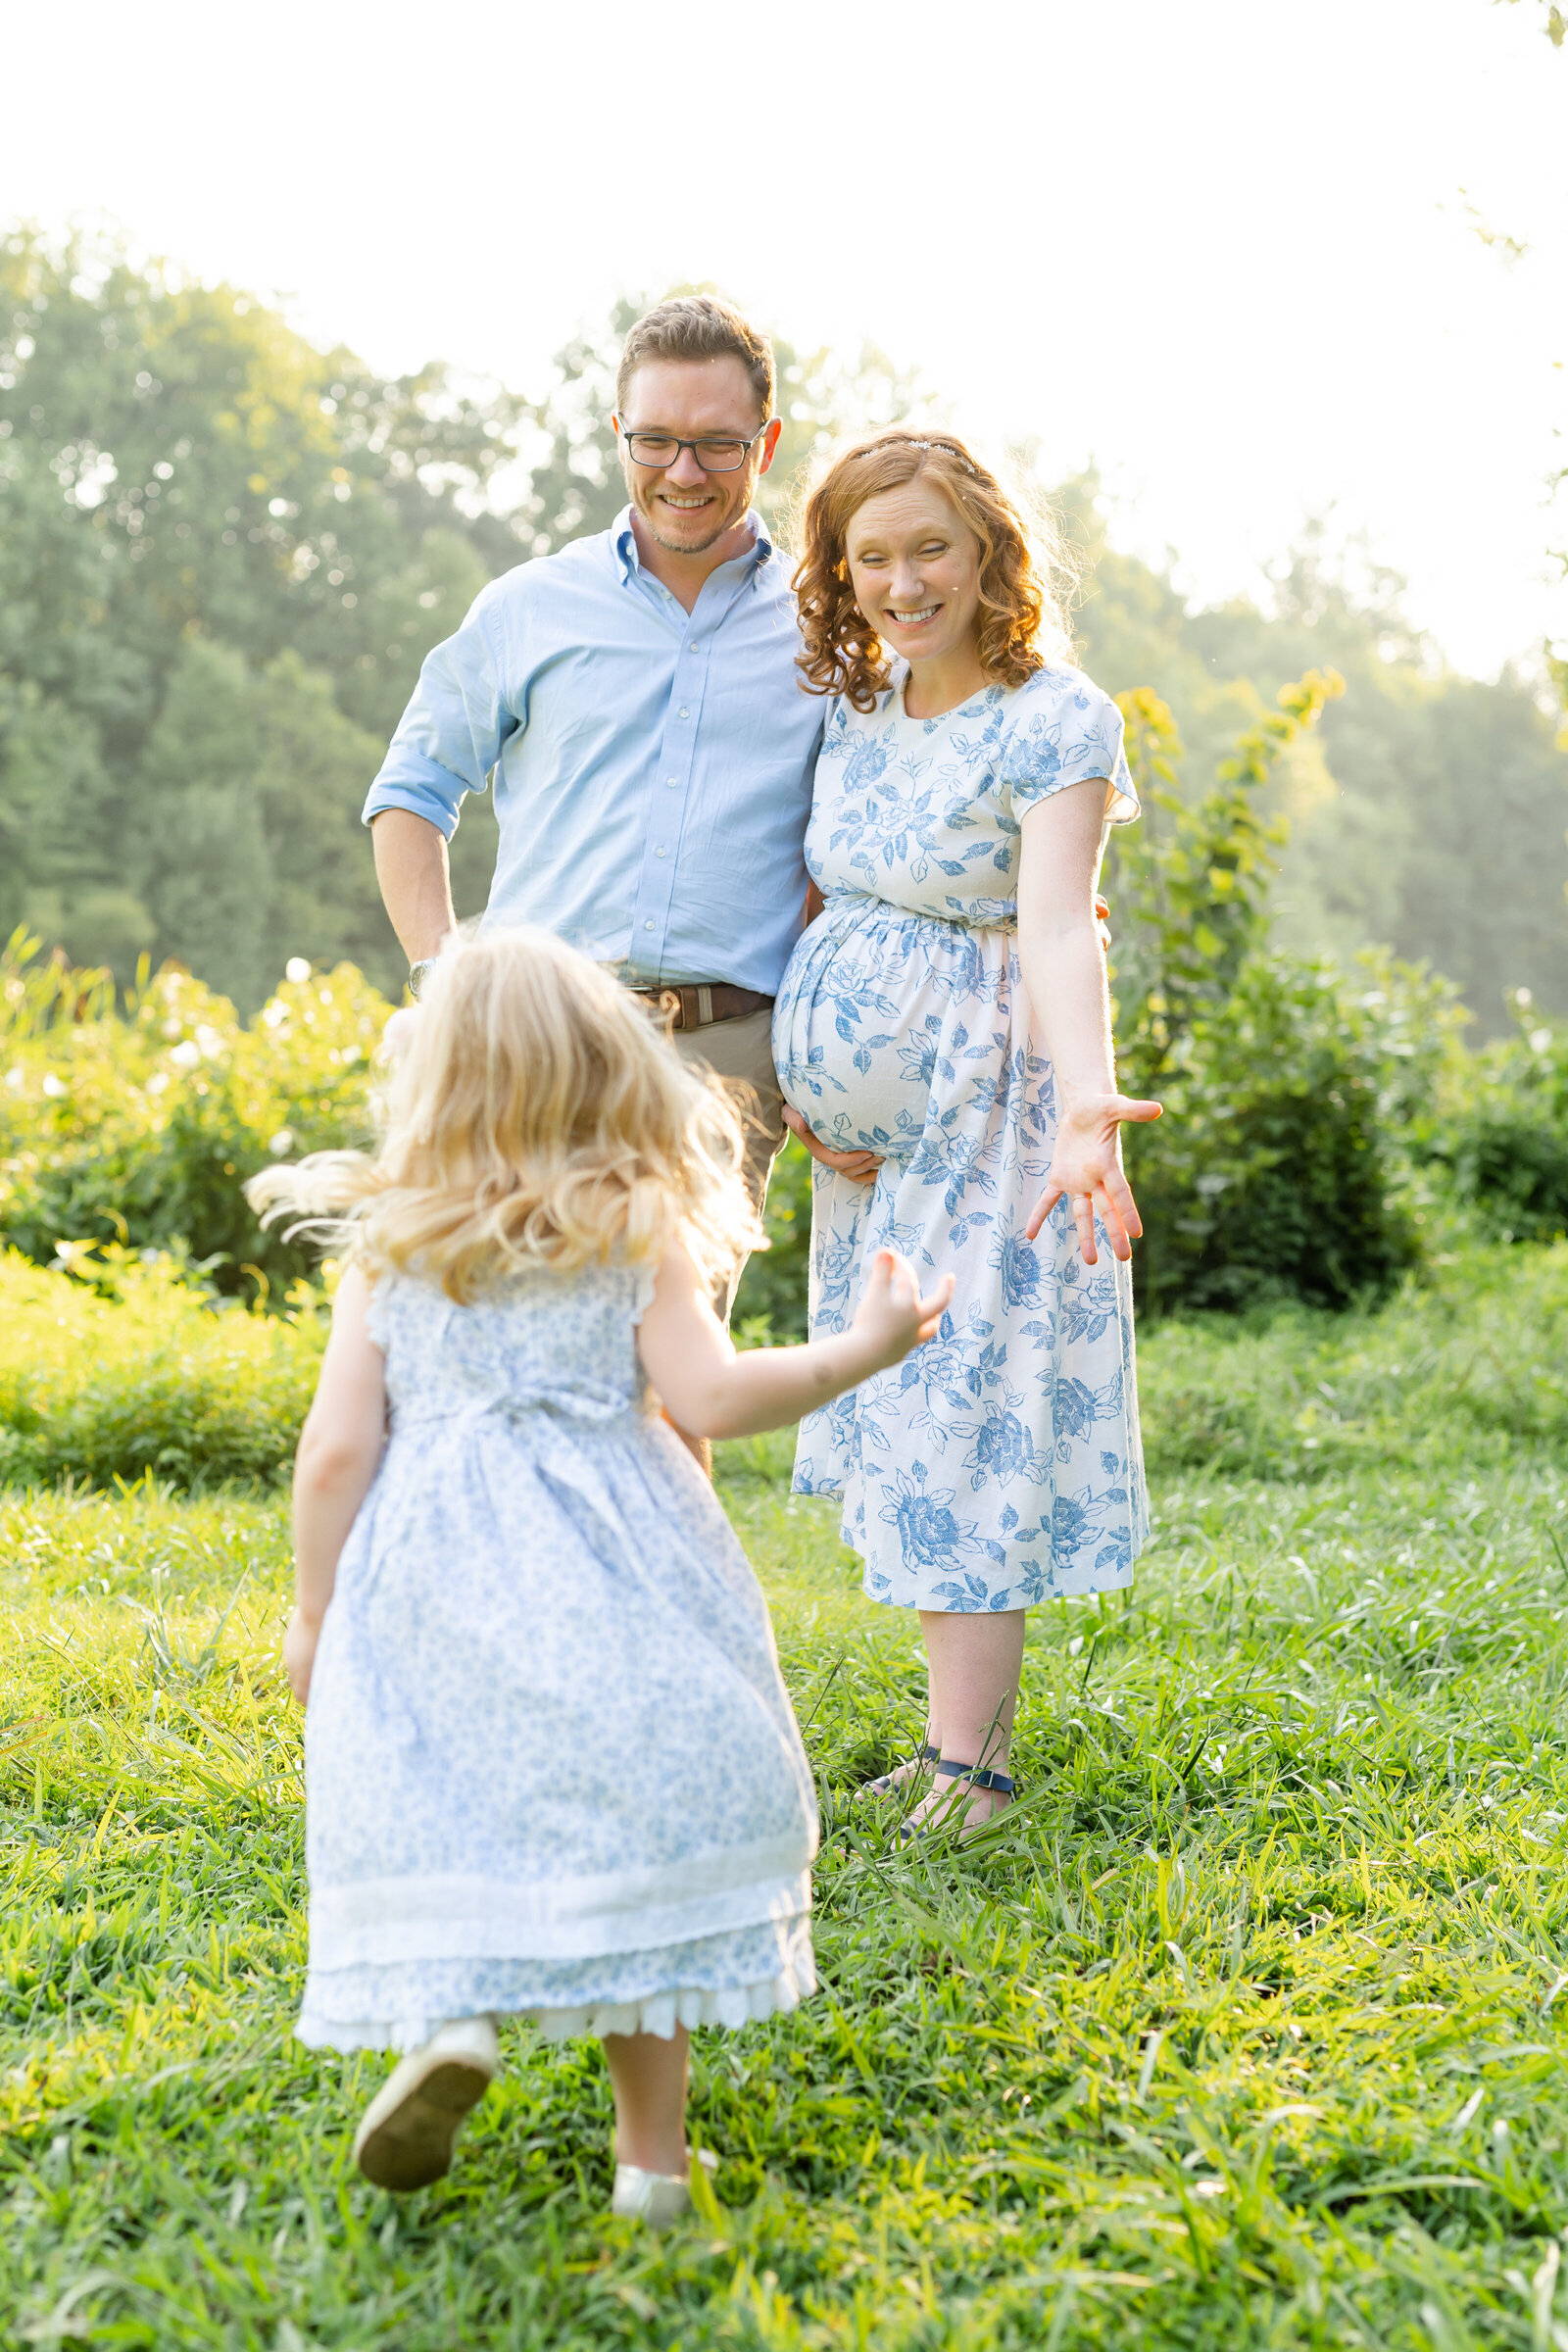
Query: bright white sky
[[1221, 248]]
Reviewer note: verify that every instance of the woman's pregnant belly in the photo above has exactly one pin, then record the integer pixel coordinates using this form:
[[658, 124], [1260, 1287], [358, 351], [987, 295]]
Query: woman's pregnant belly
[[878, 1014]]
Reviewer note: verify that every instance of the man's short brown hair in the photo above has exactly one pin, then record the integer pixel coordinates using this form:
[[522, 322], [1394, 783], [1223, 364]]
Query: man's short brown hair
[[697, 326]]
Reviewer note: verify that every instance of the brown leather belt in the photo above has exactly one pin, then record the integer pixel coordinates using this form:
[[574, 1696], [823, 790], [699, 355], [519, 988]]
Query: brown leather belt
[[698, 1007]]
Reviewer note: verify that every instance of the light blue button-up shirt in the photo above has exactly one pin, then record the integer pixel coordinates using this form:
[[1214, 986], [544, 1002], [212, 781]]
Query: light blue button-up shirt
[[653, 767]]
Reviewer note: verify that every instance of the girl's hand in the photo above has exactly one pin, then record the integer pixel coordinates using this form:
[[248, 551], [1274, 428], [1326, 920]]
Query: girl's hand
[[298, 1652], [1086, 1168], [892, 1316], [398, 1035]]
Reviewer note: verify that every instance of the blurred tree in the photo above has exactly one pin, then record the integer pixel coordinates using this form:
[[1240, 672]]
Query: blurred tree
[[179, 470], [257, 776], [175, 462], [1427, 812]]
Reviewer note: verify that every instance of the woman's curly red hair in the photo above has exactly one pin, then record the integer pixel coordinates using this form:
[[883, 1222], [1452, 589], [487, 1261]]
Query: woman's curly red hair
[[1019, 597]]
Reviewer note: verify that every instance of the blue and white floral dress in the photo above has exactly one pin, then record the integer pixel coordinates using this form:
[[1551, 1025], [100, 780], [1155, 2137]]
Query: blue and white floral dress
[[551, 1766], [1000, 1463]]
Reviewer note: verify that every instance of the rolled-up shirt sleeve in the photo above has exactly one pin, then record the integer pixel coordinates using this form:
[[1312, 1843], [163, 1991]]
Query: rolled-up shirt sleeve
[[452, 733]]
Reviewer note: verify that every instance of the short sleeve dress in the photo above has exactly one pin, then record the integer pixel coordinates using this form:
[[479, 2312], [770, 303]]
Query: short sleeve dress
[[550, 1765], [1000, 1463]]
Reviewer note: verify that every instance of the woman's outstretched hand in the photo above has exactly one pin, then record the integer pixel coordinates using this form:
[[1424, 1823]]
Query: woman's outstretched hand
[[892, 1316], [1086, 1170]]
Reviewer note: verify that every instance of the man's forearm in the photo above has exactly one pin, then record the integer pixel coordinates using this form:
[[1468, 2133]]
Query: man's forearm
[[410, 867]]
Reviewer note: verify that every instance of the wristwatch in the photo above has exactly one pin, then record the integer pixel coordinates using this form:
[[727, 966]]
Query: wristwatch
[[417, 975]]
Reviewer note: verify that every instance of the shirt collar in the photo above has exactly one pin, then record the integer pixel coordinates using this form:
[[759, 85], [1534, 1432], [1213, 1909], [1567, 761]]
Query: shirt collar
[[623, 543]]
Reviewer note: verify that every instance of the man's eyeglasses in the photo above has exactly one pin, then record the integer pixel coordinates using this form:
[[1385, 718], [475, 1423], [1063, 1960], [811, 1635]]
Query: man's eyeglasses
[[715, 455]]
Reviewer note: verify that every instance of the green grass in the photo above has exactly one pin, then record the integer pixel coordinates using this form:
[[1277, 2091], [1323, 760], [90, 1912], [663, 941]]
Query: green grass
[[1242, 2029]]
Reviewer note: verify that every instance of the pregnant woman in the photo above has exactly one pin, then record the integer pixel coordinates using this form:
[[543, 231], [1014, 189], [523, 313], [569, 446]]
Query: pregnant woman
[[948, 1012]]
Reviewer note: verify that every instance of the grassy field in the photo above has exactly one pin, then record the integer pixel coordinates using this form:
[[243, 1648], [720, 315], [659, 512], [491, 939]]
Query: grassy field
[[1242, 2029]]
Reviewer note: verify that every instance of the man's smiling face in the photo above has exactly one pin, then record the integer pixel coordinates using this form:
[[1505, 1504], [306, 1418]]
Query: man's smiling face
[[685, 510]]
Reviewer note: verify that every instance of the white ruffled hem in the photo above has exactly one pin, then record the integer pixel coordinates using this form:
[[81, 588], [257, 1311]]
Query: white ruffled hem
[[658, 2012]]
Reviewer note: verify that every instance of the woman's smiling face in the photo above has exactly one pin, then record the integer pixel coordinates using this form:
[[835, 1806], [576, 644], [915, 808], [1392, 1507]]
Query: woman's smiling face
[[914, 566]]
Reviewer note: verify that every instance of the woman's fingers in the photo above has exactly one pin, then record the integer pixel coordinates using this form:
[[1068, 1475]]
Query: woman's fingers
[[1042, 1208], [1138, 1111], [860, 1166], [1083, 1217], [1110, 1217], [1118, 1194]]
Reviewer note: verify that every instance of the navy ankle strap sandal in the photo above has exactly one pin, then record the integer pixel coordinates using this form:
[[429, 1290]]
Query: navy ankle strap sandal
[[887, 1784], [997, 1783]]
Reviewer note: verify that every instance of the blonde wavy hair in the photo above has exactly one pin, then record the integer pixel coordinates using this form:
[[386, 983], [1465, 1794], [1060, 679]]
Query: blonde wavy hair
[[535, 1116], [1027, 575]]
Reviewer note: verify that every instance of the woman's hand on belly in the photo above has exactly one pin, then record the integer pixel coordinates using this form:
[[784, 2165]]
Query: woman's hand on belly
[[1086, 1170], [859, 1166]]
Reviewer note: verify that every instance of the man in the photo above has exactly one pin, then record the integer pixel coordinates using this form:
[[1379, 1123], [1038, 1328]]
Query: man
[[636, 696]]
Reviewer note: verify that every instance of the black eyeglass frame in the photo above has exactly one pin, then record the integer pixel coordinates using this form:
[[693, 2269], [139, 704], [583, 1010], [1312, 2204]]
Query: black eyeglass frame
[[696, 447]]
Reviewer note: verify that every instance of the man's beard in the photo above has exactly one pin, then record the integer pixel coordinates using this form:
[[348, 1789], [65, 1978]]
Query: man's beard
[[690, 547]]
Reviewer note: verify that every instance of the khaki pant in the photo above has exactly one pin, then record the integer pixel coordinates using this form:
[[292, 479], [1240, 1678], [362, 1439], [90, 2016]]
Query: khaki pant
[[743, 1051]]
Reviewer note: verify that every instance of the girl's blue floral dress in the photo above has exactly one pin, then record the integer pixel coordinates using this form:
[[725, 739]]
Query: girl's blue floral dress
[[1000, 1463], [551, 1766]]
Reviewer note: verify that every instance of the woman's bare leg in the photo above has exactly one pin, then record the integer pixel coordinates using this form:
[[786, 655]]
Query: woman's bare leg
[[975, 1661], [648, 2077]]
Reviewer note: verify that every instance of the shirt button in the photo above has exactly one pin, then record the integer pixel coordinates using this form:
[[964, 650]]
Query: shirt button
[[661, 852], [648, 926], [672, 780], [685, 713]]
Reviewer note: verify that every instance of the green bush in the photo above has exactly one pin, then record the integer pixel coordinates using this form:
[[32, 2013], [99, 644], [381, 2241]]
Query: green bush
[[141, 1126], [128, 1367], [1280, 1169], [1501, 1132], [1294, 1091]]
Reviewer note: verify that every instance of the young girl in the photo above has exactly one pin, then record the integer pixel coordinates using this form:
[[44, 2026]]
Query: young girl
[[552, 1768]]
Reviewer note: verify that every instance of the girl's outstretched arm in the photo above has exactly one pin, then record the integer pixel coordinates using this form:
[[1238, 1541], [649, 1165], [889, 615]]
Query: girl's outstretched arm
[[709, 1389], [340, 1450]]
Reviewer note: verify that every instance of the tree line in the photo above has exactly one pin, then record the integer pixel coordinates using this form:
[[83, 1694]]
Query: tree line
[[225, 551]]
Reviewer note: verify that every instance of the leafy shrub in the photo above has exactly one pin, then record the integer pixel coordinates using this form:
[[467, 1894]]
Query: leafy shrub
[[1278, 1169], [1501, 1134], [140, 1369], [1281, 1169], [141, 1127]]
